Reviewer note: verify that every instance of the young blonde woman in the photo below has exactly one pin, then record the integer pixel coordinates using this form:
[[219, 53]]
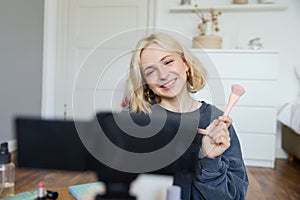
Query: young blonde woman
[[164, 73]]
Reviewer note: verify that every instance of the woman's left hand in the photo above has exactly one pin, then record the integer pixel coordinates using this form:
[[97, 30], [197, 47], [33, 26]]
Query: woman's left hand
[[216, 137]]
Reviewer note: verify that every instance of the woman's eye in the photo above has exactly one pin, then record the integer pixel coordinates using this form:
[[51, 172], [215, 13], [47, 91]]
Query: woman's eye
[[168, 62], [149, 72]]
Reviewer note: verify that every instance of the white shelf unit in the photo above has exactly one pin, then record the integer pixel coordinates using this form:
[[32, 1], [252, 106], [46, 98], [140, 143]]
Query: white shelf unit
[[255, 115], [232, 7]]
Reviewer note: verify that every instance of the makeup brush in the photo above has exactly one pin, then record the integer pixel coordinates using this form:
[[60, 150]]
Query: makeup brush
[[236, 92]]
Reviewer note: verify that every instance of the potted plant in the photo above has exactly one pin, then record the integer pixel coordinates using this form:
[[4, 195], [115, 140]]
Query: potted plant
[[208, 26]]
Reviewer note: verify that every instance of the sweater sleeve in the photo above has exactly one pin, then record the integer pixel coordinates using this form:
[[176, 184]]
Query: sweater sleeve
[[223, 177]]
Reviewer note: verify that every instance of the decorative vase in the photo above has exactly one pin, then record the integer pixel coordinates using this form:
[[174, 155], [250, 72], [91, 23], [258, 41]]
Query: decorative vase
[[207, 42], [240, 1]]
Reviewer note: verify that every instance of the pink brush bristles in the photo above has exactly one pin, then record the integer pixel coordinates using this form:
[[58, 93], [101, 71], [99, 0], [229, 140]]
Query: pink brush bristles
[[236, 92]]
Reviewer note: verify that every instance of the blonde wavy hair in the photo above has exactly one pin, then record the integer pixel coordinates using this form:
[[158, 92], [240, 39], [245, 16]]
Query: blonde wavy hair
[[137, 88]]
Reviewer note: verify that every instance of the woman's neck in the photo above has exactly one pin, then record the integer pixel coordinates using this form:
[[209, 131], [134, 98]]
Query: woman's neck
[[181, 103]]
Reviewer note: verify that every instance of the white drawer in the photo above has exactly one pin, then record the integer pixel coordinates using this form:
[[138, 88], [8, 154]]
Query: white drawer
[[240, 65], [258, 92], [254, 120], [257, 147]]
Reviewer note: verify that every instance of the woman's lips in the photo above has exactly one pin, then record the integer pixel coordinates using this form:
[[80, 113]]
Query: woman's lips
[[168, 85]]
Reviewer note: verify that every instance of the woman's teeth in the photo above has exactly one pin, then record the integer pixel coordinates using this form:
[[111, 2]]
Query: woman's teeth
[[168, 83]]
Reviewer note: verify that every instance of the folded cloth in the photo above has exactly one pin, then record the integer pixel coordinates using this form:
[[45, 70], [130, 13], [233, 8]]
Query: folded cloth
[[289, 115]]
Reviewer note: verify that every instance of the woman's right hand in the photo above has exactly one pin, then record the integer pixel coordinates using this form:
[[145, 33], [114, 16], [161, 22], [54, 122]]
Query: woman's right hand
[[216, 137]]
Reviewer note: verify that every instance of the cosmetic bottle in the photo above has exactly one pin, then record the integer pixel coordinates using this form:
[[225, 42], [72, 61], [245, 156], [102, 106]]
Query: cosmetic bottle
[[42, 193], [7, 172]]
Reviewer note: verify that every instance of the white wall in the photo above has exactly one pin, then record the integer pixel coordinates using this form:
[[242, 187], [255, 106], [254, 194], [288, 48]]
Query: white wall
[[21, 43], [279, 30]]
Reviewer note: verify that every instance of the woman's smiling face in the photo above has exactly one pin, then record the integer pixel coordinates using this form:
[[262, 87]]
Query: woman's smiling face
[[164, 71]]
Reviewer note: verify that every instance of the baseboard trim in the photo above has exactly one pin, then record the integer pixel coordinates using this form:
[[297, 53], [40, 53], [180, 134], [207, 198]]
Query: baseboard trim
[[259, 163], [280, 153]]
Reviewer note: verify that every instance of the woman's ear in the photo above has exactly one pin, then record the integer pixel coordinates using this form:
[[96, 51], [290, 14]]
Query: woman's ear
[[185, 63], [187, 69]]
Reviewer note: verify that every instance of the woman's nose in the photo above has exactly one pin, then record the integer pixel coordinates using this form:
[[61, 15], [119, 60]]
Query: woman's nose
[[163, 72]]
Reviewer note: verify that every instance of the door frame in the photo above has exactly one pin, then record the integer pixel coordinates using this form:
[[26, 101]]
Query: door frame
[[51, 48], [49, 57]]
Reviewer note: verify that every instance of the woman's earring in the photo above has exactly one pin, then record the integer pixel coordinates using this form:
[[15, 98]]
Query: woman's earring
[[190, 82], [188, 74]]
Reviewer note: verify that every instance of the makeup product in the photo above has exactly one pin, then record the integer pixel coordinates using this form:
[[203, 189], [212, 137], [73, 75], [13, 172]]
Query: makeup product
[[30, 195], [7, 172], [236, 92], [52, 194], [87, 189], [174, 193], [42, 194]]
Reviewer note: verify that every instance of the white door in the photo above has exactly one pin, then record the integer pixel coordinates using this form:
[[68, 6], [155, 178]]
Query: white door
[[94, 40]]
